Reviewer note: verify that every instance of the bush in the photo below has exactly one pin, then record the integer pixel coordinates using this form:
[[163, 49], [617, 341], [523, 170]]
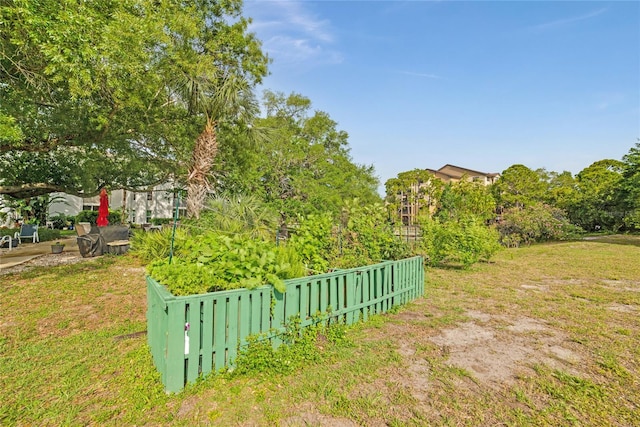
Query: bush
[[239, 214], [213, 262], [238, 251], [366, 236], [463, 242], [47, 234], [161, 221], [363, 236], [114, 217], [535, 223], [7, 231], [156, 246], [87, 216], [61, 221], [312, 240]]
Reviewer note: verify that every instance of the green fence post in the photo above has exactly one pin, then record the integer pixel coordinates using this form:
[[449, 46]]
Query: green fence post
[[175, 346]]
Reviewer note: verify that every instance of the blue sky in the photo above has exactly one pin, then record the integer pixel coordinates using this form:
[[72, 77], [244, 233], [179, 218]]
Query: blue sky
[[478, 84]]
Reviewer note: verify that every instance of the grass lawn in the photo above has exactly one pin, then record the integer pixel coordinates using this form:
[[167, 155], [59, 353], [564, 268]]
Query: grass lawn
[[544, 335]]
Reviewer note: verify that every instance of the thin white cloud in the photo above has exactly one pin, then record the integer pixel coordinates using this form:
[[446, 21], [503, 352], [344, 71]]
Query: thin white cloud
[[571, 20], [298, 17], [425, 75], [291, 33]]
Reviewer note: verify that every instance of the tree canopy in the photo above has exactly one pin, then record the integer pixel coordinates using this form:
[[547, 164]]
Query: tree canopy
[[94, 93], [518, 186], [302, 166], [603, 196]]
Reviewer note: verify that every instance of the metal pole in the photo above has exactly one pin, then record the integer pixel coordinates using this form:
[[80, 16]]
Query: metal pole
[[173, 232]]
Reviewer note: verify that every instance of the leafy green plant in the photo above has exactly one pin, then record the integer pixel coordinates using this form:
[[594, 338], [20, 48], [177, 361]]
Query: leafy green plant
[[61, 221], [535, 223], [304, 347], [362, 236], [157, 245], [239, 214], [114, 217], [463, 242], [7, 231], [286, 254], [213, 262], [365, 236], [87, 216], [312, 240], [46, 234], [161, 221]]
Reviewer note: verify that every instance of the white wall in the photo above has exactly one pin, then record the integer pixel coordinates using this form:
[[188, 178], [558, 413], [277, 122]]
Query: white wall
[[139, 207]]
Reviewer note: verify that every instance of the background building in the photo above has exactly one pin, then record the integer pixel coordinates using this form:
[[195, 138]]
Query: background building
[[138, 207]]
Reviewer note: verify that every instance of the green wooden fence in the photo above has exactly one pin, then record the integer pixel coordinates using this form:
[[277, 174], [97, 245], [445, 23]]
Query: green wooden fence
[[197, 334]]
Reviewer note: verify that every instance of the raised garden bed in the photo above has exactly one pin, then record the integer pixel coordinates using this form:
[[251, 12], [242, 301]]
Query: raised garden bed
[[195, 335]]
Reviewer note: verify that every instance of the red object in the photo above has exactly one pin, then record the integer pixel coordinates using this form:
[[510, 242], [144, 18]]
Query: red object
[[103, 209]]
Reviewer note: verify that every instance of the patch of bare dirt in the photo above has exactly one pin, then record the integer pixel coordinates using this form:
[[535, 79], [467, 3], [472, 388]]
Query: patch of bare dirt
[[624, 285], [47, 260], [308, 417], [493, 350], [623, 308]]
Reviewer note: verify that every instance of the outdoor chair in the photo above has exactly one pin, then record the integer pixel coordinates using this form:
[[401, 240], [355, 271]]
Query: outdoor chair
[[8, 241], [28, 231]]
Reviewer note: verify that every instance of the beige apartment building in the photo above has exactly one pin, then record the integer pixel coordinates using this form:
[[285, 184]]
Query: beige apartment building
[[409, 208]]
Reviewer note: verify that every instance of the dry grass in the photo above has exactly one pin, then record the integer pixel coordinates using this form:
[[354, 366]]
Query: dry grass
[[545, 335]]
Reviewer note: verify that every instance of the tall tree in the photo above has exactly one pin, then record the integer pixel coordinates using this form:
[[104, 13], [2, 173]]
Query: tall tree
[[413, 193], [92, 92], [218, 63], [229, 98], [303, 165], [562, 190], [598, 203], [630, 187], [464, 200], [518, 186]]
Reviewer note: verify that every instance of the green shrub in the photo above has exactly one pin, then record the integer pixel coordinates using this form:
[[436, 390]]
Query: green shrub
[[7, 231], [114, 217], [288, 255], [312, 240], [233, 247], [87, 216], [240, 214], [156, 246], [365, 236], [463, 242], [362, 236], [304, 346], [161, 221], [59, 221], [535, 223], [47, 234], [212, 262]]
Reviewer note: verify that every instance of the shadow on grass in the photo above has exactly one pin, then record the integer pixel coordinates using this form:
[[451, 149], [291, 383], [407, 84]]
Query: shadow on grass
[[615, 239]]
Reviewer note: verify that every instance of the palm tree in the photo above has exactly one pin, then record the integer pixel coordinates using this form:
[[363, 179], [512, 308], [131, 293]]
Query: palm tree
[[226, 98]]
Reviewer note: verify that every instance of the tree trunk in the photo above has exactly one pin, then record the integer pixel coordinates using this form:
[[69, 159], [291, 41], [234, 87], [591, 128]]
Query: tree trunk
[[204, 153]]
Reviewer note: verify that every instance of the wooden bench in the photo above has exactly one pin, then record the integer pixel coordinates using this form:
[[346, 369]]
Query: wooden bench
[[118, 247]]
